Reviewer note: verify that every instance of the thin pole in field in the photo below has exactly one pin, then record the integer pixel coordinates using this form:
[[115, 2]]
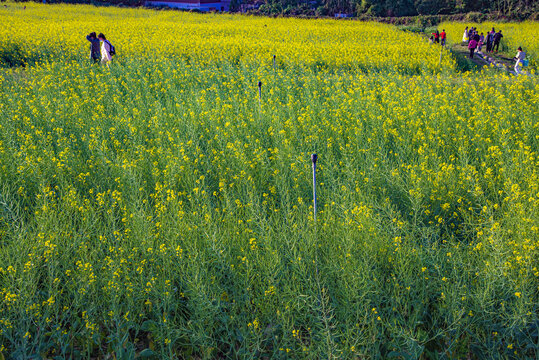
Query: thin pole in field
[[260, 92], [323, 301], [274, 56], [441, 51], [314, 157]]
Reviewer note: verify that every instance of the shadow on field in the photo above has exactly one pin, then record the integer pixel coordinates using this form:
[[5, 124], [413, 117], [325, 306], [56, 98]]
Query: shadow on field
[[15, 54]]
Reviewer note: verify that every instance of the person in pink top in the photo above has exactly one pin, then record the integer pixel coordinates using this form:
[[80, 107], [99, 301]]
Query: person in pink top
[[471, 46]]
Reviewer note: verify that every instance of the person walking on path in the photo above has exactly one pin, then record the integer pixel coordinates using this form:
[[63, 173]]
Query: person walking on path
[[519, 57], [476, 36], [95, 51], [471, 46], [497, 38], [471, 33], [436, 37], [443, 36], [465, 35], [481, 42], [490, 39], [106, 57]]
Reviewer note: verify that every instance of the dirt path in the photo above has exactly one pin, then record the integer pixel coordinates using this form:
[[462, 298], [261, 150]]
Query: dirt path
[[481, 59]]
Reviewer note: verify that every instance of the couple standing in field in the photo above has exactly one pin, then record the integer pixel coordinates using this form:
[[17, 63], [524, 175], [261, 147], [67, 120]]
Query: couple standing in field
[[100, 48]]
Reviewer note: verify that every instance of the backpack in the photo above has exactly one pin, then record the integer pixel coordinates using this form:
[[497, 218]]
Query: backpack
[[112, 48]]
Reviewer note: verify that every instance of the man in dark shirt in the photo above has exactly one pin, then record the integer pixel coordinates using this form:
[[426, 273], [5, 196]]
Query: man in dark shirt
[[490, 39], [477, 37], [497, 37], [95, 47]]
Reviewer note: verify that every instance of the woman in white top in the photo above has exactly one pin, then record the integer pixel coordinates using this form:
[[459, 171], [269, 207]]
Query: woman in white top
[[465, 36], [106, 58], [521, 55]]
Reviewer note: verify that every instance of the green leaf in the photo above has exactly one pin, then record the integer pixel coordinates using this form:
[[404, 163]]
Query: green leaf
[[146, 353], [148, 326]]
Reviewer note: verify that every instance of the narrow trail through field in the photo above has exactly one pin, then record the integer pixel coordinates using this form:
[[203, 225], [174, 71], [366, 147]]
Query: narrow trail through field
[[497, 60], [481, 59]]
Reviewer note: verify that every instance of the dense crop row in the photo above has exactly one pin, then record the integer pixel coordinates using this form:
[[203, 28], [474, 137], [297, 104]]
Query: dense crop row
[[160, 207]]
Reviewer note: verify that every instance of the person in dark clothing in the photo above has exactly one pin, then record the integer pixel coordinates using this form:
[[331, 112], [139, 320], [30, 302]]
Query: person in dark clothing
[[490, 39], [95, 47], [497, 38]]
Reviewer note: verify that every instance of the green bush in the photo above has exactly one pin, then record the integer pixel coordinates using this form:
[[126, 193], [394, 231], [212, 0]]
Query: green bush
[[475, 17]]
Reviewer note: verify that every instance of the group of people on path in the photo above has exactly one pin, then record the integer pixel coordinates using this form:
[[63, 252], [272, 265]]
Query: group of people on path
[[476, 41], [492, 40], [101, 50]]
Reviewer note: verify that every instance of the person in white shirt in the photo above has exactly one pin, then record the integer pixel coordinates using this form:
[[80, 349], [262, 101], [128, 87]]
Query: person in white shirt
[[465, 35], [106, 58], [521, 55]]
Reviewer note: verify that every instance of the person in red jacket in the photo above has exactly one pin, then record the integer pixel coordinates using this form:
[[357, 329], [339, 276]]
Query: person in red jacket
[[436, 37], [443, 35]]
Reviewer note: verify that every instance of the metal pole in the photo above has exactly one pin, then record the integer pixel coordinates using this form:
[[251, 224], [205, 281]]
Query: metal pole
[[260, 91], [274, 62], [441, 49], [314, 157]]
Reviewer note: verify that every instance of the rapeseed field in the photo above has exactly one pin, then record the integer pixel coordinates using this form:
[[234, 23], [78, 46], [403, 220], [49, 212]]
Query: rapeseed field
[[160, 208], [58, 33]]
